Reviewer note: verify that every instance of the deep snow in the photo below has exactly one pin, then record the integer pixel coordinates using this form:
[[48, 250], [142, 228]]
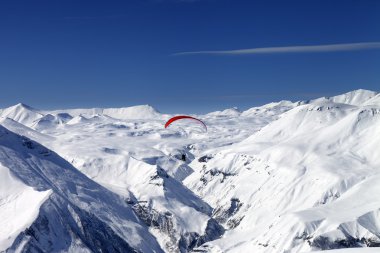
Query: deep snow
[[283, 177]]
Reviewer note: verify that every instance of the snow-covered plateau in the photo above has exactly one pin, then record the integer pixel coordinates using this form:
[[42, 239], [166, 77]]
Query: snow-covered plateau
[[284, 177]]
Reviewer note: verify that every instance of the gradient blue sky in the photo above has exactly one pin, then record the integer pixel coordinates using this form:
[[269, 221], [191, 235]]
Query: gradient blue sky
[[73, 53]]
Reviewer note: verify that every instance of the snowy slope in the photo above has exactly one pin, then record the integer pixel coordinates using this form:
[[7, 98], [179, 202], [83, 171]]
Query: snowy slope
[[49, 121], [356, 97], [19, 206], [271, 109], [78, 215], [306, 181], [282, 177], [355, 250], [231, 112], [121, 156], [373, 101], [133, 112], [21, 113]]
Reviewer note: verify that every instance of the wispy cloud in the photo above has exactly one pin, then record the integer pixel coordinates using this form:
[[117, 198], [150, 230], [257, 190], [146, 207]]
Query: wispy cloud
[[291, 49]]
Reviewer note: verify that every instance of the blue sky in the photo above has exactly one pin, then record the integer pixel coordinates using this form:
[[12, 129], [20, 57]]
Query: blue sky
[[63, 53]]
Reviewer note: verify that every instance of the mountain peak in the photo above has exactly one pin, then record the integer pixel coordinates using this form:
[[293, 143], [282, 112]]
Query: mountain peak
[[355, 97], [23, 106], [21, 113], [132, 112], [234, 111]]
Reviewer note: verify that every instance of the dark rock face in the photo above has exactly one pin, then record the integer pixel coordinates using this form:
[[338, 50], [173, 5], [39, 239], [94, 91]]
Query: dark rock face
[[225, 214], [325, 243], [205, 158], [165, 223], [211, 174], [213, 231], [189, 241], [152, 218], [61, 226]]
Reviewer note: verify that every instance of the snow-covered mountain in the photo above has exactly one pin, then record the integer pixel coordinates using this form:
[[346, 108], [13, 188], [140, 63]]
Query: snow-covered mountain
[[21, 113], [356, 97], [51, 207], [226, 113], [308, 180], [284, 177], [133, 112]]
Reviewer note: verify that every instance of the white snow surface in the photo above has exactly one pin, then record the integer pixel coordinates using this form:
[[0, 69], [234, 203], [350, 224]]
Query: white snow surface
[[354, 250], [133, 112], [21, 113], [46, 173], [19, 206], [284, 177]]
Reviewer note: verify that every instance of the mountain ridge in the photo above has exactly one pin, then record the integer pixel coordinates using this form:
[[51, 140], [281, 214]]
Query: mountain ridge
[[285, 176]]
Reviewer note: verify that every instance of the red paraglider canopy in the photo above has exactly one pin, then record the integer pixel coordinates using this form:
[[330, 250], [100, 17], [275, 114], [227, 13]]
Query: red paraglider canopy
[[184, 117]]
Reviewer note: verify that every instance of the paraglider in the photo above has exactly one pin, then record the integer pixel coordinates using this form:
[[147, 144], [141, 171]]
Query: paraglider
[[185, 117]]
